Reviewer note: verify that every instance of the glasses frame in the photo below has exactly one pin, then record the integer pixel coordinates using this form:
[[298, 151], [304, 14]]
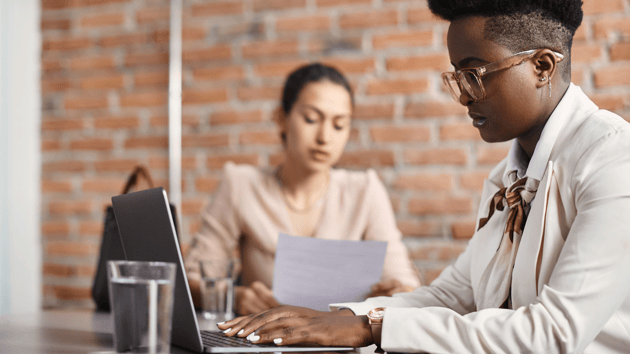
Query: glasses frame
[[478, 73]]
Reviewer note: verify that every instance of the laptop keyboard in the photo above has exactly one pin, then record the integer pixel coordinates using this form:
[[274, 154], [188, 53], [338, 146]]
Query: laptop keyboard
[[217, 339]]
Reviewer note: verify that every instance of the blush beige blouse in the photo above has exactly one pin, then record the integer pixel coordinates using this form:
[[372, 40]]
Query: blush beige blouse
[[248, 212]]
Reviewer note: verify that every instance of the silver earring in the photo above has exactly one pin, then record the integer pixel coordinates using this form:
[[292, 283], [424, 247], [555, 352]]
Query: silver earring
[[542, 78], [549, 82]]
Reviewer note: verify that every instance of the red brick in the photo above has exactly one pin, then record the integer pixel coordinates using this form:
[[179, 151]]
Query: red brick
[[352, 66], [147, 142], [269, 49], [329, 45], [217, 162], [580, 34], [93, 228], [91, 63], [62, 124], [403, 39], [422, 15], [608, 102], [206, 140], [445, 205], [266, 5], [103, 185], [192, 207], [593, 7], [251, 93], [66, 44], [188, 34], [585, 53], [388, 134], [91, 144], [491, 155], [63, 24], [388, 87], [86, 102], [49, 66], [436, 62], [415, 228], [219, 73], [462, 230], [329, 3], [374, 111], [116, 122], [207, 184], [607, 26], [208, 54], [83, 3], [144, 99], [153, 78], [367, 158], [187, 120], [434, 109], [438, 251], [72, 293], [303, 24], [57, 84], [64, 166], [218, 8], [235, 117], [52, 228], [473, 180], [459, 131], [260, 137], [618, 75], [369, 19], [50, 145], [103, 20], [202, 96], [70, 207], [153, 14], [49, 186], [124, 40], [437, 156], [144, 59], [58, 4], [86, 271], [58, 270], [103, 82], [243, 28], [620, 51], [277, 69], [121, 165], [187, 162], [425, 182]]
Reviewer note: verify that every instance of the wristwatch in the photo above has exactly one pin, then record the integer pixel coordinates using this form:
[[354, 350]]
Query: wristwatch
[[375, 319]]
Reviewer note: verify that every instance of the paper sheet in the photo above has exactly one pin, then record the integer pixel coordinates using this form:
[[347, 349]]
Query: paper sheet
[[313, 272]]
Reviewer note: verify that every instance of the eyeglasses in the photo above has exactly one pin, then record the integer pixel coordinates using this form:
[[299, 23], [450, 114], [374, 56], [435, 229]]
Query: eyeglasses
[[469, 80]]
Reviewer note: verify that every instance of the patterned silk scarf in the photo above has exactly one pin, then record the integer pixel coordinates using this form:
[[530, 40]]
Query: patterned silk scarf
[[496, 281]]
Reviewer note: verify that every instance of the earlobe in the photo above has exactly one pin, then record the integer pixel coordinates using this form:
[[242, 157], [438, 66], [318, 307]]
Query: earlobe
[[546, 65]]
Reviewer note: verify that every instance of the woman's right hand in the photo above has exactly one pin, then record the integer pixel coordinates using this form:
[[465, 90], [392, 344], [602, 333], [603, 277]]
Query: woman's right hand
[[253, 299]]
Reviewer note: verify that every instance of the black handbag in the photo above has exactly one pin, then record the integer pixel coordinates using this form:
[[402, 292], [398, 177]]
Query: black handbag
[[111, 245]]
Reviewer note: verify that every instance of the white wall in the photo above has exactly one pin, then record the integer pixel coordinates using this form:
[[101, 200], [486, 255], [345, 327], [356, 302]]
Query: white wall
[[20, 158]]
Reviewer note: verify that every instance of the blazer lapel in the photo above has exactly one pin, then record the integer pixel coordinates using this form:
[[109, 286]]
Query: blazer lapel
[[526, 267]]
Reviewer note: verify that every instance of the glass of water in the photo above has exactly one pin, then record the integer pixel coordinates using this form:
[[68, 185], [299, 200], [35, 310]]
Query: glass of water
[[217, 288], [141, 299]]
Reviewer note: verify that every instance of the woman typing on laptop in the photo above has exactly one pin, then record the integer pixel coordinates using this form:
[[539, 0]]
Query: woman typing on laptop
[[303, 196]]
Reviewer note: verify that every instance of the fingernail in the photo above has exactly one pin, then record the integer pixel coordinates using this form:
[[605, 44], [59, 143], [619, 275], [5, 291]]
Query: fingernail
[[254, 338], [250, 335], [227, 330], [240, 332], [277, 340], [220, 323]]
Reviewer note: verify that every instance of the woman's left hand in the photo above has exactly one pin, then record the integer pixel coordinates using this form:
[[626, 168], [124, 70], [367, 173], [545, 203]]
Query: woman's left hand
[[389, 288]]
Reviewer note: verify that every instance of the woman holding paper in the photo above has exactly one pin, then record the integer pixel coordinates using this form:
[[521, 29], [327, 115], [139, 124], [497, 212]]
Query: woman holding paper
[[303, 196]]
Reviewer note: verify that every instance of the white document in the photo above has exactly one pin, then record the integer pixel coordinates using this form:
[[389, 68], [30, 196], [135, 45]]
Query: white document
[[313, 272]]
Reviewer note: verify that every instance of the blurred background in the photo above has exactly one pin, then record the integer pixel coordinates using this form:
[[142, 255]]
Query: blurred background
[[84, 99]]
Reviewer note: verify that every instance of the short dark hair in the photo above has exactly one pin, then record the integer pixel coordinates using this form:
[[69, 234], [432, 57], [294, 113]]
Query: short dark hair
[[306, 74], [521, 24]]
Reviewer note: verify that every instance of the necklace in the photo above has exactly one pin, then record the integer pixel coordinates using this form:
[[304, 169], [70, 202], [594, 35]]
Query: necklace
[[308, 208]]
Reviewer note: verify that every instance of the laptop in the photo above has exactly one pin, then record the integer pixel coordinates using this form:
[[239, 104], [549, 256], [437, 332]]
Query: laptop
[[147, 233]]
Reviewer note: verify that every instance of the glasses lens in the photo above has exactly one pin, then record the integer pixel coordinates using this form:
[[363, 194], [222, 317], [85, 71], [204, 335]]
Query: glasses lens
[[453, 86], [472, 85]]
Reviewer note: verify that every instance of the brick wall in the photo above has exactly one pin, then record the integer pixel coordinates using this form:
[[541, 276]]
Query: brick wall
[[105, 85]]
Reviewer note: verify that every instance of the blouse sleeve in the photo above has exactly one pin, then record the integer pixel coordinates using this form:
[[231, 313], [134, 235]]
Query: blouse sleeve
[[219, 232], [382, 226]]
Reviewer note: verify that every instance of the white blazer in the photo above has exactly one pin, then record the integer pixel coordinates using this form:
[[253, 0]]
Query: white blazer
[[571, 280]]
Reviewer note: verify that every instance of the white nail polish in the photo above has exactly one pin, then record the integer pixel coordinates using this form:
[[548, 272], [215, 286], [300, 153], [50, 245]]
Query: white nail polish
[[277, 340], [227, 330], [254, 338], [249, 336], [240, 332], [220, 323]]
